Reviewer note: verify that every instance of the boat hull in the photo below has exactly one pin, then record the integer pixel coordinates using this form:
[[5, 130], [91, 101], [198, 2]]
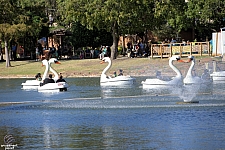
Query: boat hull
[[157, 83], [218, 78], [30, 84], [50, 87], [118, 81]]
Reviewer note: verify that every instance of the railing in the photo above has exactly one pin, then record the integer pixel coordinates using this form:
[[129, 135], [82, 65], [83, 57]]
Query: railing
[[192, 48]]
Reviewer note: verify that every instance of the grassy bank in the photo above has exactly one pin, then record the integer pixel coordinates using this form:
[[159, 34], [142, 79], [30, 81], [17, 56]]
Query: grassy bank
[[92, 67]]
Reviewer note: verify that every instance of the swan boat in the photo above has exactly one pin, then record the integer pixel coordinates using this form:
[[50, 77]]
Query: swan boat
[[114, 81], [217, 75], [34, 84], [195, 84], [191, 79], [50, 87], [174, 81]]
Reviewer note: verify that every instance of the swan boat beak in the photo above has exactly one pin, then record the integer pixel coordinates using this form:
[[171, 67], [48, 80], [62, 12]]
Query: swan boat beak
[[190, 59], [57, 62], [180, 60]]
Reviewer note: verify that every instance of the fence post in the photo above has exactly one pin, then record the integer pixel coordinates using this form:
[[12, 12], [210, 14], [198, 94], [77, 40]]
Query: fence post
[[191, 48], [201, 49], [160, 49], [171, 50], [208, 46], [180, 50], [151, 50]]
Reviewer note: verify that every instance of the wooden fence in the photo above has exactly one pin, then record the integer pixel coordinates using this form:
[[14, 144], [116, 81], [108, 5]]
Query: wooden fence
[[192, 48]]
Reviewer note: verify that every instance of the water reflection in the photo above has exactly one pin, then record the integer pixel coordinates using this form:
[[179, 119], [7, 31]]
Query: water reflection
[[117, 91], [88, 116]]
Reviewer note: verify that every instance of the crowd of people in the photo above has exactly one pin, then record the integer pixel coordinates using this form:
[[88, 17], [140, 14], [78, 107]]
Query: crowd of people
[[138, 50]]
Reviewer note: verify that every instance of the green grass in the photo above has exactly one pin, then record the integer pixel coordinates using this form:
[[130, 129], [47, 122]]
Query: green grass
[[83, 67], [92, 67]]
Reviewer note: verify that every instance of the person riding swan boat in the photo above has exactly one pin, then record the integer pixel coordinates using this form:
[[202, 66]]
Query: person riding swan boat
[[60, 86], [177, 80], [191, 79], [32, 84], [115, 81]]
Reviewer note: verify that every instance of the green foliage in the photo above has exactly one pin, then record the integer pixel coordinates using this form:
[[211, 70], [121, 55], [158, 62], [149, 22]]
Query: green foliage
[[81, 36], [115, 16], [21, 17], [171, 13], [210, 13]]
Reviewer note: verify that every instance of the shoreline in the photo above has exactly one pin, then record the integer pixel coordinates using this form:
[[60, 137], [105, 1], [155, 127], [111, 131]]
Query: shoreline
[[92, 68]]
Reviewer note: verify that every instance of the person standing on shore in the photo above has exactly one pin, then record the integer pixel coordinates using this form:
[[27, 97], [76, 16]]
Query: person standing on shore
[[37, 53], [14, 48]]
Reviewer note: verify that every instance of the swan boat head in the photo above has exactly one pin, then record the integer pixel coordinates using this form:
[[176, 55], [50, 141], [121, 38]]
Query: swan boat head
[[192, 79], [177, 80], [50, 87], [46, 64], [54, 61], [119, 80]]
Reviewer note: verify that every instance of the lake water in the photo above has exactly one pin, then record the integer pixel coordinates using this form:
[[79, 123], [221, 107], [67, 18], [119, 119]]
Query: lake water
[[90, 117]]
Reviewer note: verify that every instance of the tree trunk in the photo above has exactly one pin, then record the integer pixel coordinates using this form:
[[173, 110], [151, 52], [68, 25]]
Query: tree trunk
[[7, 54], [114, 47], [123, 46], [1, 52]]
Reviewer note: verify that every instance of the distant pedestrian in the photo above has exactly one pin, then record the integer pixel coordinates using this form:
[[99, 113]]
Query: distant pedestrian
[[37, 54], [40, 49], [14, 48]]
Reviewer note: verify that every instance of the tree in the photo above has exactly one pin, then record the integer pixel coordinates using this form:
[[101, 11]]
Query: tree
[[206, 15], [111, 15], [171, 15], [81, 36], [202, 16], [19, 18], [7, 27]]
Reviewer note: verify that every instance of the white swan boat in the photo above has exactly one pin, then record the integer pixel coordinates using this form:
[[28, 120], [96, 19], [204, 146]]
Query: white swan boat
[[217, 75], [51, 87], [158, 82], [191, 79], [34, 84], [114, 81]]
